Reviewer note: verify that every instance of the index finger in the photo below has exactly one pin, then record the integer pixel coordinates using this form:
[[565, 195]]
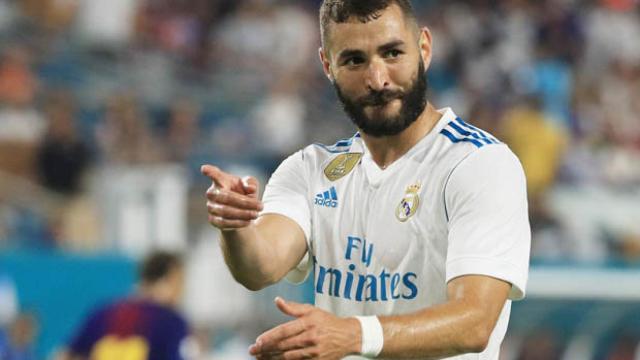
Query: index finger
[[269, 340], [215, 174]]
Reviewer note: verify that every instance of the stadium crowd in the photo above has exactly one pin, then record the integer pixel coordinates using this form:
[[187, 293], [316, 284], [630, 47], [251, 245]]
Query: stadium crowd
[[88, 85]]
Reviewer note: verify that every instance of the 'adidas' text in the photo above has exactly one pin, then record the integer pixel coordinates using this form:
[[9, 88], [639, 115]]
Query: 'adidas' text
[[328, 198]]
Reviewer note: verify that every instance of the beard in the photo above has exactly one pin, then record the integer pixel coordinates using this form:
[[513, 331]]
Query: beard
[[414, 101]]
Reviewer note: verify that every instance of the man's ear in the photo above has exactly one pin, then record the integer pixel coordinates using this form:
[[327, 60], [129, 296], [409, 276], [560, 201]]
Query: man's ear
[[326, 64], [425, 44]]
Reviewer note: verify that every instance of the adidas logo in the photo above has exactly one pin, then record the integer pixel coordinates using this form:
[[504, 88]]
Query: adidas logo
[[328, 198]]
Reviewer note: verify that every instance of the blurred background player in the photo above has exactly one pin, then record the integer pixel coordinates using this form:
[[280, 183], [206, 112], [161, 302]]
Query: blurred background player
[[21, 338], [143, 327]]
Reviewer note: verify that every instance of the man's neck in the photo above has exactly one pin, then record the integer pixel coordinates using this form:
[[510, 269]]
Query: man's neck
[[387, 149]]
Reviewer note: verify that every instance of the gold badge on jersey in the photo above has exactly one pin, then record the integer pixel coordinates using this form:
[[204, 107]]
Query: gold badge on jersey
[[342, 165], [409, 203]]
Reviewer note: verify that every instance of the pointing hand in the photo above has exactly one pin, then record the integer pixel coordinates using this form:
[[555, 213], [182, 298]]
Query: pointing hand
[[232, 202]]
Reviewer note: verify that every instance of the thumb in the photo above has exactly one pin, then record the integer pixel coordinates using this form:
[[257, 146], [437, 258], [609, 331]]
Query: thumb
[[292, 308]]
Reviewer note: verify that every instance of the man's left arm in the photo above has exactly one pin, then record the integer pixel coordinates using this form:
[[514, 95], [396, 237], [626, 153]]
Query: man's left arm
[[461, 325]]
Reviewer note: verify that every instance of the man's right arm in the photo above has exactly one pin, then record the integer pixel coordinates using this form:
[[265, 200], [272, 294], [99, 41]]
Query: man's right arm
[[264, 252], [259, 250]]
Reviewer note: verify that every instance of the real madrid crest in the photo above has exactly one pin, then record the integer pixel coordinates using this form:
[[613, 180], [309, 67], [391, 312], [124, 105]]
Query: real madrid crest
[[409, 203], [341, 165]]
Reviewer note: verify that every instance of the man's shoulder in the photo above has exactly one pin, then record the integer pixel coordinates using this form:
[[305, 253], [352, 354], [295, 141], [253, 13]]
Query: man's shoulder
[[458, 140], [318, 155], [474, 153], [340, 147], [460, 134]]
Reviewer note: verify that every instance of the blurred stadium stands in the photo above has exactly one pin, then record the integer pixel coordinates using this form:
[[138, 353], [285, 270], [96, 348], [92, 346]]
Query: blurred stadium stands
[[108, 108]]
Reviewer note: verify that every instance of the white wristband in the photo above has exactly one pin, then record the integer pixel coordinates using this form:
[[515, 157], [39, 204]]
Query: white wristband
[[372, 336]]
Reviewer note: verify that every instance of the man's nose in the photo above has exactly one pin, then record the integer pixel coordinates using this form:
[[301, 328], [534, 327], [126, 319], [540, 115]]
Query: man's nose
[[377, 75]]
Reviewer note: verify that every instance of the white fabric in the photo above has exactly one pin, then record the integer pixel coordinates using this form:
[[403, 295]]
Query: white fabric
[[372, 336], [471, 219]]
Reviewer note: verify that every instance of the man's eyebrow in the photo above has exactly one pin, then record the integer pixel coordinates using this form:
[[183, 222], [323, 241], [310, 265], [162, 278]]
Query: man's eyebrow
[[347, 53], [390, 45]]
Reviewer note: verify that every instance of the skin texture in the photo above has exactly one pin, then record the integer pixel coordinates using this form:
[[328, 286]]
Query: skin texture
[[314, 333], [359, 58], [258, 251]]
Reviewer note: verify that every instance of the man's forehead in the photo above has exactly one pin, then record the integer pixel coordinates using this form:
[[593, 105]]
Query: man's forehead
[[391, 25]]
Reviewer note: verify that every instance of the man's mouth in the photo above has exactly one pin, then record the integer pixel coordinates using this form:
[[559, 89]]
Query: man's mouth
[[381, 104]]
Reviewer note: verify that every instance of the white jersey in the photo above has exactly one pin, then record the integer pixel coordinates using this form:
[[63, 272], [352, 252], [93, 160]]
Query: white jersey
[[384, 242]]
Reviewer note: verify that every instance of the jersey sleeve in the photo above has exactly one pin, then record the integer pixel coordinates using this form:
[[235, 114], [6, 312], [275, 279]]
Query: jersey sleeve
[[286, 194], [486, 206]]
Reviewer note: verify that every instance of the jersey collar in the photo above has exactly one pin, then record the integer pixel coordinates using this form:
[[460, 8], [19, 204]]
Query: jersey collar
[[376, 176]]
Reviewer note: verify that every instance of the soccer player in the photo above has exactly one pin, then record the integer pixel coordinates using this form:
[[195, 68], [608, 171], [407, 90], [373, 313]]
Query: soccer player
[[144, 327], [416, 228]]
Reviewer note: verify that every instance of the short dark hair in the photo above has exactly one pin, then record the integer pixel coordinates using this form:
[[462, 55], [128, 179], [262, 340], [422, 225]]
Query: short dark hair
[[157, 265], [340, 11]]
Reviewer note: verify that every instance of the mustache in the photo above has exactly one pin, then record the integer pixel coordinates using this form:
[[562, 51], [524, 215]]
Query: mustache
[[378, 98]]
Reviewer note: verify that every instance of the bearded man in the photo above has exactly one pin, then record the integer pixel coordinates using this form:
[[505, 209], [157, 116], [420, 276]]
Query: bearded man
[[416, 228]]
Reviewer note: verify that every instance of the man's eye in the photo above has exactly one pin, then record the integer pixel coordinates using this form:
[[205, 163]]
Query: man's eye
[[393, 53], [354, 61]]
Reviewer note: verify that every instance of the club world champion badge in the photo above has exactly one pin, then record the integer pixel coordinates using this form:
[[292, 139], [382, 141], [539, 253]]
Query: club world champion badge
[[341, 165], [409, 203]]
